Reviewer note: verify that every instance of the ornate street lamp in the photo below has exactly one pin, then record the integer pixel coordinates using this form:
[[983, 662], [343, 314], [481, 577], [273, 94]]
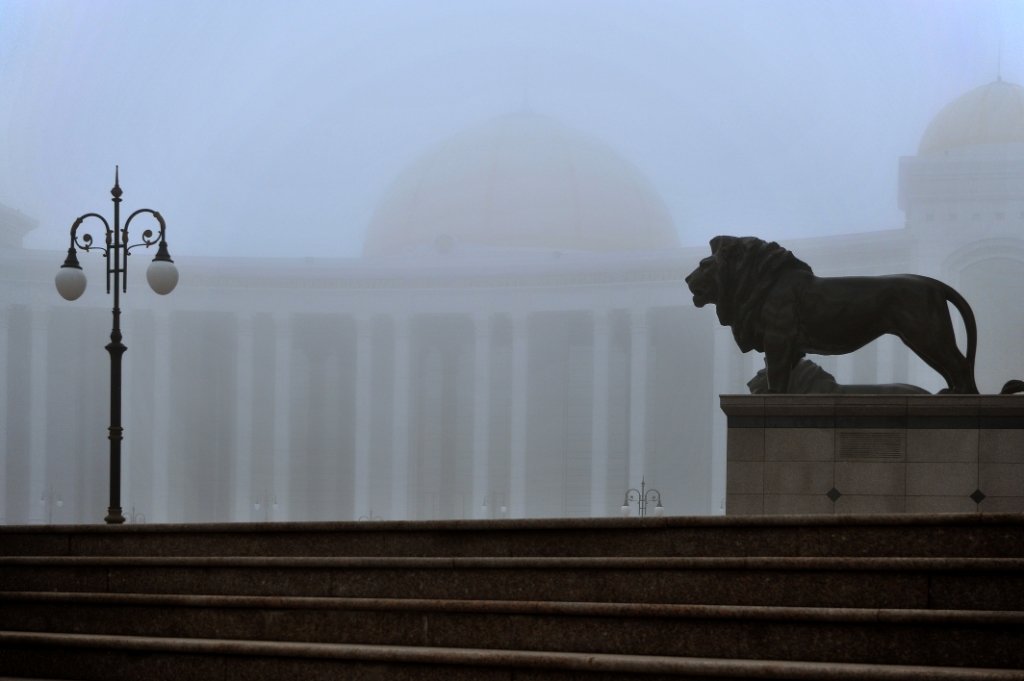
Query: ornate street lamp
[[499, 505], [370, 517], [50, 499], [266, 501], [162, 276], [642, 497]]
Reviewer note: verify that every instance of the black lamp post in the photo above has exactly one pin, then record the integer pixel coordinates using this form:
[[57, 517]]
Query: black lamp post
[[642, 497], [162, 276]]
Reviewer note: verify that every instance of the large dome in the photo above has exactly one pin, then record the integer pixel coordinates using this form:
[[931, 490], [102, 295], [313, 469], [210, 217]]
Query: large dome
[[992, 114], [521, 181]]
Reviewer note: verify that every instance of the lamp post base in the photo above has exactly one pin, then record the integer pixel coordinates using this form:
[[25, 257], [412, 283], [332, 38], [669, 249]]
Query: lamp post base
[[114, 516]]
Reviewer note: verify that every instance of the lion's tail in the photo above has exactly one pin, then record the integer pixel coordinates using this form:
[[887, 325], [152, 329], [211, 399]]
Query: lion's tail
[[967, 314]]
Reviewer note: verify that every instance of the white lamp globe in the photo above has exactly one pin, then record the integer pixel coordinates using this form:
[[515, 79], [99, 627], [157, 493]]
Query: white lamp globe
[[70, 282], [162, 276]]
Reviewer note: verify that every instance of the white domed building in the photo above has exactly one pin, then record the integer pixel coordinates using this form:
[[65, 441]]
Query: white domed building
[[521, 182], [516, 341]]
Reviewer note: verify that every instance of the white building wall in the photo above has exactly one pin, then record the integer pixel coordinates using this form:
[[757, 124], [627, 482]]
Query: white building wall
[[446, 384]]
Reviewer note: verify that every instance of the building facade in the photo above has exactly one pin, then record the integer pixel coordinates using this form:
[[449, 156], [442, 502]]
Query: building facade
[[516, 341]]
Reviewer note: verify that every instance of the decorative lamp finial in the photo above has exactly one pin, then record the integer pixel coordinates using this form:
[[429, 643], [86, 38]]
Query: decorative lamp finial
[[116, 191]]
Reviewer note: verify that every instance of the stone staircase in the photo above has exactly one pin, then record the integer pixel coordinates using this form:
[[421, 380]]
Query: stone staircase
[[810, 597]]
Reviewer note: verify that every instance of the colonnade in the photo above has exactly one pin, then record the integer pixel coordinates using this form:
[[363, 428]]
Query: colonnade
[[368, 455], [237, 451]]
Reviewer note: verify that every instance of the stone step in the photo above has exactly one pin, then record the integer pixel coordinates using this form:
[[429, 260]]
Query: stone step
[[865, 636], [110, 658], [916, 583], [950, 535]]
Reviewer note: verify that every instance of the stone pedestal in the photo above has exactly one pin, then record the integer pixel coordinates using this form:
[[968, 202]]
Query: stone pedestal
[[826, 454]]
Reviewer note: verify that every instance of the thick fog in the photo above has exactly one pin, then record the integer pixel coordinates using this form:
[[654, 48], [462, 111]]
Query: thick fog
[[305, 370], [273, 128]]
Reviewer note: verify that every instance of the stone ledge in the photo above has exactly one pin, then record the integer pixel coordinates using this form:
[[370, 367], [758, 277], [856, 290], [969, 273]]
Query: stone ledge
[[582, 663], [871, 411]]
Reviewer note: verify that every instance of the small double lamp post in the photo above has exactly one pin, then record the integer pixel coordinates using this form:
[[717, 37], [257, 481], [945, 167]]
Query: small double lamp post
[[162, 276], [642, 497]]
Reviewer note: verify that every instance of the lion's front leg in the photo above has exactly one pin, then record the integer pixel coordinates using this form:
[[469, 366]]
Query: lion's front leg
[[780, 356]]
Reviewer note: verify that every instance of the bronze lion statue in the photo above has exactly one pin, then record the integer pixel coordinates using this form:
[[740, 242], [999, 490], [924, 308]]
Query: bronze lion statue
[[776, 305]]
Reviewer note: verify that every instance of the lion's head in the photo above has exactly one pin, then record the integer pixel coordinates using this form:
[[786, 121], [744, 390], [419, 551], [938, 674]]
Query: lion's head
[[736, 278]]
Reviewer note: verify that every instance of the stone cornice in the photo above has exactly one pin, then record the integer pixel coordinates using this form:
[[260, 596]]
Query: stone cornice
[[874, 411]]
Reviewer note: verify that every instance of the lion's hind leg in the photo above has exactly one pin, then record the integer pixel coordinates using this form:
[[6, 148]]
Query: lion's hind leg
[[937, 347]]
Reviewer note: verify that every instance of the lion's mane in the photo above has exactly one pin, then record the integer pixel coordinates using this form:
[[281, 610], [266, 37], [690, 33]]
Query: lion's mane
[[746, 270]]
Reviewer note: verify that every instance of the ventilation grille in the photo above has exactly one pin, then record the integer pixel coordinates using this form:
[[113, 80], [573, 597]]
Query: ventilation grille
[[872, 445]]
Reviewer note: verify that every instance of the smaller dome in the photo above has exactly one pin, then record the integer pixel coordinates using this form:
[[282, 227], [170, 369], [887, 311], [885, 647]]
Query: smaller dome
[[992, 114]]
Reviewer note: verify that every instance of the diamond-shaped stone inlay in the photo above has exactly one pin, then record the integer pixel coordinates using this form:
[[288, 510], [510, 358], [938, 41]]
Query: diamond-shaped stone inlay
[[977, 496], [833, 494]]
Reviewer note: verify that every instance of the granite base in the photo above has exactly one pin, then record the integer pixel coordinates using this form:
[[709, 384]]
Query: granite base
[[828, 454]]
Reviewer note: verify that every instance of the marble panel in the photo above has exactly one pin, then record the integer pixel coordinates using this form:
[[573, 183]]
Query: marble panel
[[941, 479], [946, 445], [870, 503], [798, 504], [872, 478], [1001, 479], [798, 477], [799, 444], [744, 504], [941, 504], [1002, 505], [745, 477], [1001, 445], [745, 444]]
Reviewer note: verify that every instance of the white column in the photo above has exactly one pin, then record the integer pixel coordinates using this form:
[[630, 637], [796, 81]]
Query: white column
[[340, 506], [400, 423], [364, 410], [599, 417], [4, 344], [885, 360], [517, 465], [37, 415], [844, 369], [280, 464], [243, 455], [481, 412], [159, 511], [754, 362], [637, 395]]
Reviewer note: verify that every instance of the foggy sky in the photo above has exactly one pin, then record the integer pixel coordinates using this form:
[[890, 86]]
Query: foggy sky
[[275, 128]]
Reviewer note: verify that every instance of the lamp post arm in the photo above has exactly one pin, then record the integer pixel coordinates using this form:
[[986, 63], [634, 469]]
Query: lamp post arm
[[148, 239], [86, 240]]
